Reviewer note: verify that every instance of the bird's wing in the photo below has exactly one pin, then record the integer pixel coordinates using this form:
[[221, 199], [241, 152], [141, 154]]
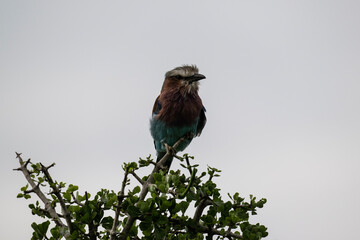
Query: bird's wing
[[202, 122], [157, 106]]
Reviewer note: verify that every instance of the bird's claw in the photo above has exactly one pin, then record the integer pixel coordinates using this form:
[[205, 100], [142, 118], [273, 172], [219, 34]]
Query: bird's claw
[[169, 149], [189, 135]]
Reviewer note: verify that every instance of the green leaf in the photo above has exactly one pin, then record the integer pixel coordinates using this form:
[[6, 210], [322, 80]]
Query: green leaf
[[40, 229], [44, 227], [146, 225], [136, 190], [228, 206], [133, 211], [67, 196], [72, 188], [183, 206], [144, 207], [107, 222], [208, 220], [152, 188], [74, 208], [166, 205], [24, 188], [159, 233], [218, 202], [55, 232], [157, 177], [86, 218], [162, 187], [162, 220]]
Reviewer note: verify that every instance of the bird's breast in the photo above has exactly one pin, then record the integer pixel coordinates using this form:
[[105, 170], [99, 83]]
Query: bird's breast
[[179, 109]]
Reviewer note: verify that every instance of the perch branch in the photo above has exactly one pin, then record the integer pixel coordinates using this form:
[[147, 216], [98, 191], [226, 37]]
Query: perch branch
[[145, 187]]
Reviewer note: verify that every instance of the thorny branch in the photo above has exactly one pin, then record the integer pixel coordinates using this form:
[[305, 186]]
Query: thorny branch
[[36, 189], [57, 193]]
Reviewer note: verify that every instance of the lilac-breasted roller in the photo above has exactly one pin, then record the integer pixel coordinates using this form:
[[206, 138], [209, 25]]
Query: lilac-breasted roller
[[178, 110]]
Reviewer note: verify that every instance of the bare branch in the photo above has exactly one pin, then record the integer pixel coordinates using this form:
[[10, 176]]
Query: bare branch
[[137, 177]]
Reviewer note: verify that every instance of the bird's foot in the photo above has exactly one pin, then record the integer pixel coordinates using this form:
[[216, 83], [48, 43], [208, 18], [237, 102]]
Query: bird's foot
[[170, 149], [189, 135]]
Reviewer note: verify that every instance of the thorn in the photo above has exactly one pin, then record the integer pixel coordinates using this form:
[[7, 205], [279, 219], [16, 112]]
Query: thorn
[[27, 162]]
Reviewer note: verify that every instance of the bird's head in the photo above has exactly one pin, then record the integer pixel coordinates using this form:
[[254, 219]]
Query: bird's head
[[185, 78]]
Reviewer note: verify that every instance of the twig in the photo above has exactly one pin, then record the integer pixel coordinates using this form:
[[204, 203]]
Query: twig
[[137, 177], [217, 232], [76, 200], [192, 178], [120, 199], [188, 164], [33, 189]]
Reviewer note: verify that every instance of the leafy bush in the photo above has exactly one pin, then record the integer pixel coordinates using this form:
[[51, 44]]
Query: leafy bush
[[175, 204]]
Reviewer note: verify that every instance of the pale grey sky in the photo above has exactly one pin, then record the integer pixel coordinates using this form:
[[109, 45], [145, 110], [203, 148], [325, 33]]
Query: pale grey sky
[[78, 80]]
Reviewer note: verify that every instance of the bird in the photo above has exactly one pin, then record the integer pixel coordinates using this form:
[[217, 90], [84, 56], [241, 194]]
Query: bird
[[178, 111]]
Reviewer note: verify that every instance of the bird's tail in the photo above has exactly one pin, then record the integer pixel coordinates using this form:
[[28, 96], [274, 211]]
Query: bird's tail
[[168, 162]]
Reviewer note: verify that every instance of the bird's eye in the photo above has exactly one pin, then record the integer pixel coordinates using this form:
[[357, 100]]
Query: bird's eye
[[178, 77]]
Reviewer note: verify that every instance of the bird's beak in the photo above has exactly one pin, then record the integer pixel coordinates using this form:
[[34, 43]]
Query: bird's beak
[[195, 77]]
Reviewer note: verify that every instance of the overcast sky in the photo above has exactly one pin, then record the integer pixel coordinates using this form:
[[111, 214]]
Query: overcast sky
[[78, 80]]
